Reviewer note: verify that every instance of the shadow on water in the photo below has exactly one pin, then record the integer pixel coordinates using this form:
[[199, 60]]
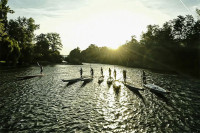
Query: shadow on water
[[117, 91], [99, 82], [26, 78], [161, 97], [109, 85], [85, 83], [135, 91], [70, 83], [19, 79]]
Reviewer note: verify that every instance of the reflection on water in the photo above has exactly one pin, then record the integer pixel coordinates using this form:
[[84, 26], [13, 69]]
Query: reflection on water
[[46, 104]]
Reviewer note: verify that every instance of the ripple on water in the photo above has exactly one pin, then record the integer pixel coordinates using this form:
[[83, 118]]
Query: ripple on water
[[49, 105]]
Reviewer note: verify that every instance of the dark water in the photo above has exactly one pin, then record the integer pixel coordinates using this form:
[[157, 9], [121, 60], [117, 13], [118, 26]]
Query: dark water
[[46, 104]]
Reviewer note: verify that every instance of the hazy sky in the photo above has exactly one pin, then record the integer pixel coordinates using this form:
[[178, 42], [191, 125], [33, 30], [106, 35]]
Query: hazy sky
[[101, 22]]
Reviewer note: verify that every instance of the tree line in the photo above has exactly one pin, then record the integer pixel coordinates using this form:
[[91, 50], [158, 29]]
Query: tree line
[[19, 44], [175, 46]]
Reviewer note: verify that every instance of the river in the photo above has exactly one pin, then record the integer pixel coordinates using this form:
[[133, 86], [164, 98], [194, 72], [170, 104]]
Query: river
[[46, 104]]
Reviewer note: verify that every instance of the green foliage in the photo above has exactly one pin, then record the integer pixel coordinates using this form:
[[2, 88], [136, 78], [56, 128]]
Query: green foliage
[[47, 46], [54, 41], [17, 40], [74, 56], [198, 12], [9, 51], [22, 30], [4, 10]]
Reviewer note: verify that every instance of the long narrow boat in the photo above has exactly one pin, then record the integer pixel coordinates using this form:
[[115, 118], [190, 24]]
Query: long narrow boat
[[156, 88], [131, 86], [101, 79], [116, 84], [110, 80], [72, 80], [29, 76], [86, 79]]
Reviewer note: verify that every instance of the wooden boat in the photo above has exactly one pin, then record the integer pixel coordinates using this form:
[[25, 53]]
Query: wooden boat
[[72, 80], [131, 86], [156, 88], [30, 76], [116, 84], [101, 79], [110, 80], [86, 79]]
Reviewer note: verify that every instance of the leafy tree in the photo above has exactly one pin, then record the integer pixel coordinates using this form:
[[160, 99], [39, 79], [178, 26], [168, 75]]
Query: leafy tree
[[54, 41], [43, 47], [74, 56], [22, 30], [198, 12], [9, 51], [2, 33], [4, 10]]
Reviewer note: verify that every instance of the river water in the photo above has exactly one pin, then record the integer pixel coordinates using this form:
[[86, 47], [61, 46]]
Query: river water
[[46, 104]]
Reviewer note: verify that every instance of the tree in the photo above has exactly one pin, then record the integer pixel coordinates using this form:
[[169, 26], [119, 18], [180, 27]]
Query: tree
[[46, 48], [2, 33], [42, 44], [9, 51], [54, 41], [22, 30], [4, 10], [198, 12], [74, 56]]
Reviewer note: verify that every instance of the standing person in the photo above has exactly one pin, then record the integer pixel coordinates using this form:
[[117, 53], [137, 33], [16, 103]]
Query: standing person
[[41, 68], [143, 77], [101, 71], [124, 75], [115, 73], [109, 72], [92, 72], [81, 72]]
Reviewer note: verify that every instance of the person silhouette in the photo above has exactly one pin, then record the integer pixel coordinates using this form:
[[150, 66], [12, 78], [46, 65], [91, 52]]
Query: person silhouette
[[101, 71], [115, 73], [92, 72], [109, 72], [81, 72], [41, 68], [143, 77], [124, 75]]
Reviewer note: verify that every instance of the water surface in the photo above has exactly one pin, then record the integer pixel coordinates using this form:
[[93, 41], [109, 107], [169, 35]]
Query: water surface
[[46, 104]]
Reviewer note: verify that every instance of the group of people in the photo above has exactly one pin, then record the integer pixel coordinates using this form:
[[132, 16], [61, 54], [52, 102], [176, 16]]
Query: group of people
[[115, 73], [91, 72]]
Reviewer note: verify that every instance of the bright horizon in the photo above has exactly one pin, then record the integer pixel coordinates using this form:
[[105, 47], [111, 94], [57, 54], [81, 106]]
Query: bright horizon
[[102, 22]]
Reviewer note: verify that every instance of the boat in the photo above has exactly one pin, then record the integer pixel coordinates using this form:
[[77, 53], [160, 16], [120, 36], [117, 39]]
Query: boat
[[101, 79], [86, 79], [72, 80], [110, 80], [156, 88], [116, 84], [29, 76], [131, 86]]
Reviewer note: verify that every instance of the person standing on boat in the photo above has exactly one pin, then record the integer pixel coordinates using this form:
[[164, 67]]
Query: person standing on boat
[[101, 71], [115, 73], [143, 77], [92, 72], [124, 75], [41, 68], [109, 72], [81, 72]]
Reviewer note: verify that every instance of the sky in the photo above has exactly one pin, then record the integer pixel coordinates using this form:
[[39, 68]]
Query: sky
[[102, 22]]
